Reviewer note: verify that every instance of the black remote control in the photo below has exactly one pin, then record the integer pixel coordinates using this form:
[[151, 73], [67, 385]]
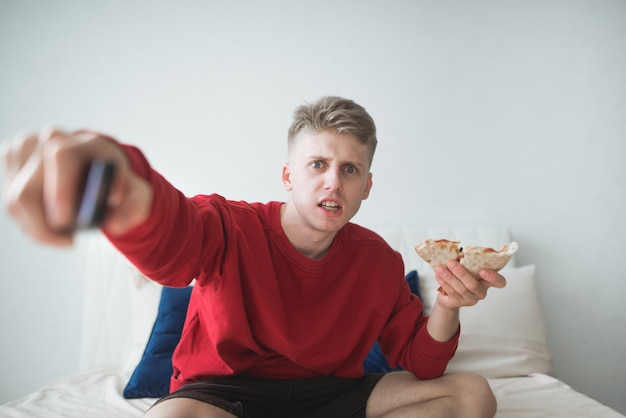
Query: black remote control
[[93, 201]]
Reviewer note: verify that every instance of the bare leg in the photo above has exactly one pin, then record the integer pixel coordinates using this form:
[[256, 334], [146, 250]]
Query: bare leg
[[186, 408], [401, 394]]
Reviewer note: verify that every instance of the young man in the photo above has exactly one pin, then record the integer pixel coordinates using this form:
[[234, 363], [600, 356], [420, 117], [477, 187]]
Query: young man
[[289, 297]]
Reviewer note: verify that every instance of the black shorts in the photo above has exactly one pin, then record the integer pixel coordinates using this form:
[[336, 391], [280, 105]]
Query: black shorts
[[249, 397]]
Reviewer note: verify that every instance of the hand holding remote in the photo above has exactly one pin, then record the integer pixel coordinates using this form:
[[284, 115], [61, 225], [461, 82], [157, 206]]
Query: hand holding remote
[[57, 183]]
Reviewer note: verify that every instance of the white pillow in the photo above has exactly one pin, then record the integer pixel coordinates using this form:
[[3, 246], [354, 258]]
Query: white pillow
[[504, 335], [145, 298]]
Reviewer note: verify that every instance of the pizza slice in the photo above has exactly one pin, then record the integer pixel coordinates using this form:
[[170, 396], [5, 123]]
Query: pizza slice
[[473, 258]]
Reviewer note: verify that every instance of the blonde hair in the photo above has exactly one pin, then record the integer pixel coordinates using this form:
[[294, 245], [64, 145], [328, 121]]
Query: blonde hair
[[332, 113]]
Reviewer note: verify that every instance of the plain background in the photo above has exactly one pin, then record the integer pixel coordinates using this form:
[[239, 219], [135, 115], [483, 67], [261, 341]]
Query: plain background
[[492, 112]]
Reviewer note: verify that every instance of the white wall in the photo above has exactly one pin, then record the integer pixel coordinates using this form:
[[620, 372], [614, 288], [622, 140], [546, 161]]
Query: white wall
[[489, 112]]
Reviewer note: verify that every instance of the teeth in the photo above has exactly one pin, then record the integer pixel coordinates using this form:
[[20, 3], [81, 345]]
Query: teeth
[[330, 206]]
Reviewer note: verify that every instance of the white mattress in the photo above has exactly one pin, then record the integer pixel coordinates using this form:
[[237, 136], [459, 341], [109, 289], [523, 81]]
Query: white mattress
[[98, 393]]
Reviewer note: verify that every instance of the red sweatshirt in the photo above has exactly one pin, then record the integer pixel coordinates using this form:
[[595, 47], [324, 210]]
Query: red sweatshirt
[[261, 308]]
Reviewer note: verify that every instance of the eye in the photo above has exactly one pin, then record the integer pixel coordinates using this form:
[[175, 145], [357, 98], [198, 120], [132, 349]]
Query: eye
[[351, 169], [316, 164]]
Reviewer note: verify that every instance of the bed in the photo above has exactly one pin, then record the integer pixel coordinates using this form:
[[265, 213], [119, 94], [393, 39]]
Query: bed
[[130, 327]]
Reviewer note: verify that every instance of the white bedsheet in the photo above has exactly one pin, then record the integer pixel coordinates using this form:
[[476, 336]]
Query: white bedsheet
[[98, 393], [542, 396], [90, 394]]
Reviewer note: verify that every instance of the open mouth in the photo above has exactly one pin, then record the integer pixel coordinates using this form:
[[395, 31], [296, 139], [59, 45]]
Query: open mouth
[[330, 206]]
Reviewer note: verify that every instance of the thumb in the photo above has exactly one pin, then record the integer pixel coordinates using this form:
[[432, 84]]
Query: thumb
[[130, 205], [493, 278]]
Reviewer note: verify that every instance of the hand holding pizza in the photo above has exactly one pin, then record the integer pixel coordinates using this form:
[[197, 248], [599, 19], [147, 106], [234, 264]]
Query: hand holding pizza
[[458, 287], [464, 274], [464, 277]]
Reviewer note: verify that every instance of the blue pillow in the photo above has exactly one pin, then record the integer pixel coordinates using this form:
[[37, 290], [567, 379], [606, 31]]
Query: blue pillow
[[375, 362], [413, 280], [151, 378]]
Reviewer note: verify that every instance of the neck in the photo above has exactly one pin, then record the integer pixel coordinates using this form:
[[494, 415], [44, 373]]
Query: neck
[[310, 242]]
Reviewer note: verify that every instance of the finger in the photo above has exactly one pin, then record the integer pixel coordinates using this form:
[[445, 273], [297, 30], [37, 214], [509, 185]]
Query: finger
[[63, 175], [458, 283], [18, 150], [476, 286], [450, 286], [493, 278], [24, 203], [15, 153], [133, 209]]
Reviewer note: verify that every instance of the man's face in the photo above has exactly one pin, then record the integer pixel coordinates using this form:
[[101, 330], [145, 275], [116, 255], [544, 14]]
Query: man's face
[[328, 177]]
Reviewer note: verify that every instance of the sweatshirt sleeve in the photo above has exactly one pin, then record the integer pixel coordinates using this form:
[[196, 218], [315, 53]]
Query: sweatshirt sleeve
[[412, 347], [428, 358]]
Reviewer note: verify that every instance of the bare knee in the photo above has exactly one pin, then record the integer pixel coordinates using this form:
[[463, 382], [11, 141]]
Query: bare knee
[[465, 395], [474, 394]]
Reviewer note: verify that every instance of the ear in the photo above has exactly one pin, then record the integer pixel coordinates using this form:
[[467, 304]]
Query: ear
[[368, 186], [287, 177]]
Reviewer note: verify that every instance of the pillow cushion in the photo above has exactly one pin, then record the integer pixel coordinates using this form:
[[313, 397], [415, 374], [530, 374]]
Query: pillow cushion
[[503, 335], [375, 362], [413, 280], [151, 377]]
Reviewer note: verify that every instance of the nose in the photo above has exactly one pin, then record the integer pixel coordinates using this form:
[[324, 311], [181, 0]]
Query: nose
[[332, 180]]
